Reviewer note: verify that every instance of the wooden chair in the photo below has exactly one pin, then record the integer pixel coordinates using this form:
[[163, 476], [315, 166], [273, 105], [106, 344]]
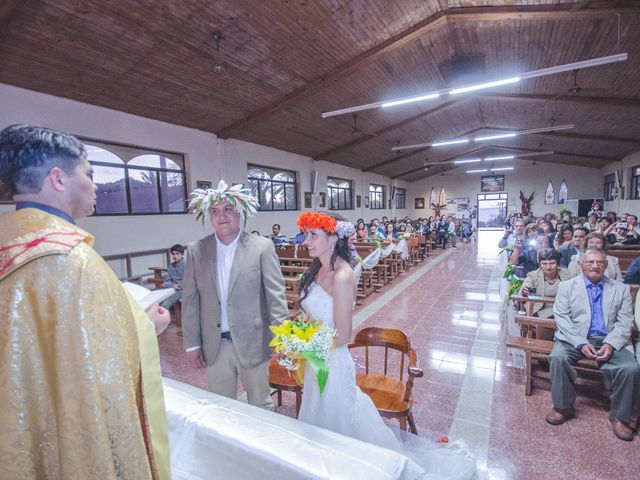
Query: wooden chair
[[281, 379], [392, 396]]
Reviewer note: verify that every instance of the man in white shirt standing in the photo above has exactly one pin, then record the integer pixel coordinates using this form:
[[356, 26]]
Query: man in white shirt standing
[[233, 290]]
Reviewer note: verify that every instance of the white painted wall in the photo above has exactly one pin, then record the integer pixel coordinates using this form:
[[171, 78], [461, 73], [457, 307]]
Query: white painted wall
[[207, 158], [582, 182], [626, 204]]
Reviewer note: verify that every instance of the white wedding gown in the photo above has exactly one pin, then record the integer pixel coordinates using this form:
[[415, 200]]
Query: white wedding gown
[[344, 408]]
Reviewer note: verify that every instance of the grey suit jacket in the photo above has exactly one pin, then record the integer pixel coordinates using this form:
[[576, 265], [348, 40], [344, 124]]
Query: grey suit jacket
[[572, 313], [256, 298], [536, 279]]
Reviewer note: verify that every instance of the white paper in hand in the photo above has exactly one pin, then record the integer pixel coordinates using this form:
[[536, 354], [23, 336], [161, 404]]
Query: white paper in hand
[[146, 297]]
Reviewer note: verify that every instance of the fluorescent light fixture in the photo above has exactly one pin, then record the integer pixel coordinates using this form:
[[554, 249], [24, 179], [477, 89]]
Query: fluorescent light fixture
[[470, 160], [593, 62], [494, 137], [487, 137], [505, 157], [481, 86], [393, 103], [501, 169], [477, 171], [450, 142]]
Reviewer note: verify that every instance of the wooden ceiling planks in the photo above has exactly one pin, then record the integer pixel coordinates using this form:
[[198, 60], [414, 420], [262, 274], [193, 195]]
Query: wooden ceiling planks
[[289, 61]]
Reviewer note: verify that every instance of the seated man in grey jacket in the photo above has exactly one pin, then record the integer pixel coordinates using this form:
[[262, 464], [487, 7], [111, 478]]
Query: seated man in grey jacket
[[594, 316]]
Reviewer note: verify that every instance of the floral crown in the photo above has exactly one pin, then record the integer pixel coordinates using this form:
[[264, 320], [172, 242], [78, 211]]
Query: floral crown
[[243, 202], [308, 220]]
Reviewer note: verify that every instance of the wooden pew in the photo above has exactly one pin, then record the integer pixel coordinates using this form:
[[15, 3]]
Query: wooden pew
[[624, 255], [536, 340]]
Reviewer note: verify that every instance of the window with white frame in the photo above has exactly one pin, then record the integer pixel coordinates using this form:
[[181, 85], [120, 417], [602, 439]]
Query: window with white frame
[[376, 196], [635, 183], [340, 193], [136, 181], [274, 189]]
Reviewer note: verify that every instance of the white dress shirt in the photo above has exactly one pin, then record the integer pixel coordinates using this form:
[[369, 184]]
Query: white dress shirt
[[224, 260]]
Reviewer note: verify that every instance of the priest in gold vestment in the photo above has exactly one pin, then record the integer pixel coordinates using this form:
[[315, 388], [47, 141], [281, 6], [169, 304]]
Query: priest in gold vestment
[[80, 386]]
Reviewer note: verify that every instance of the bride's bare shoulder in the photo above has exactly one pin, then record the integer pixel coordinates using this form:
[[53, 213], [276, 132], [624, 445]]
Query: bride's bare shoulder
[[343, 275]]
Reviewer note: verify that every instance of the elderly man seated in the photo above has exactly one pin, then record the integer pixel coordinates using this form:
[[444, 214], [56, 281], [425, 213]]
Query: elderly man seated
[[594, 316], [544, 281]]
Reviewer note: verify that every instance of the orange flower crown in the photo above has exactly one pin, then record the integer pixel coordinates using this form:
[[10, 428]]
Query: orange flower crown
[[308, 220]]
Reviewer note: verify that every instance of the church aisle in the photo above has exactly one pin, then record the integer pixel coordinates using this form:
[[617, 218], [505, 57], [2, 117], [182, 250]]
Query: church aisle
[[452, 310]]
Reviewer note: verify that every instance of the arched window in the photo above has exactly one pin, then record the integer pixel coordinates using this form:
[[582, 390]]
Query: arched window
[[274, 189], [376, 196], [340, 194], [136, 181]]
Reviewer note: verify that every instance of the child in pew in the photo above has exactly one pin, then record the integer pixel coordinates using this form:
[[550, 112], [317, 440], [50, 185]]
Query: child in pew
[[175, 274]]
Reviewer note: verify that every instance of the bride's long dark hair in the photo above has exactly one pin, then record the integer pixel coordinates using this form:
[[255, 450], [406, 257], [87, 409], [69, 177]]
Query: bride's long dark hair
[[341, 250]]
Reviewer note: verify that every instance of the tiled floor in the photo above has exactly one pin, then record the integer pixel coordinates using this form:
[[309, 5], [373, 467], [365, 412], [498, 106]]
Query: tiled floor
[[452, 309]]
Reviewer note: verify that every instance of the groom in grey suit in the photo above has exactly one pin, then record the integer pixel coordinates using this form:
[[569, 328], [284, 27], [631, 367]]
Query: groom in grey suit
[[233, 290], [594, 316]]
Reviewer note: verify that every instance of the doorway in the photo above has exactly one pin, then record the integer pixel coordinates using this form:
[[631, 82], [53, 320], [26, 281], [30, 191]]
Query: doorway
[[492, 211]]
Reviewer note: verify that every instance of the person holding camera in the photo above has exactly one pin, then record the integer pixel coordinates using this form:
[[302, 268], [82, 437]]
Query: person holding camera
[[594, 315], [512, 234], [525, 251]]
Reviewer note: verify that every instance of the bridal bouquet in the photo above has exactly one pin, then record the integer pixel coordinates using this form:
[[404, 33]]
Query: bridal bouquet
[[299, 340]]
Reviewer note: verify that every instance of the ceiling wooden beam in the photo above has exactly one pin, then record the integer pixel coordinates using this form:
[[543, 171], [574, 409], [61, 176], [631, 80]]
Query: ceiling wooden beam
[[341, 71], [569, 154], [585, 136], [539, 160], [535, 12], [390, 128], [8, 8], [610, 101]]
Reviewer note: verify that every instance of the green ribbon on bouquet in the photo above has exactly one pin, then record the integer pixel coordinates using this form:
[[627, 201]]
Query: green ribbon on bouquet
[[319, 367]]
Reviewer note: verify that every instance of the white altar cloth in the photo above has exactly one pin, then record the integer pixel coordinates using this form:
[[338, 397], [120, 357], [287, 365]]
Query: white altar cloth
[[214, 437]]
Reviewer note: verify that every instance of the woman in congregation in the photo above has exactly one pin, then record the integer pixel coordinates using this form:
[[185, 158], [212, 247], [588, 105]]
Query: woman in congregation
[[389, 234], [564, 236], [544, 281], [361, 230], [328, 296], [598, 240]]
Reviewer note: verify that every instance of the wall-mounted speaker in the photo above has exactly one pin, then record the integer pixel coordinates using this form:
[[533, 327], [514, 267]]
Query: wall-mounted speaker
[[393, 192], [314, 181]]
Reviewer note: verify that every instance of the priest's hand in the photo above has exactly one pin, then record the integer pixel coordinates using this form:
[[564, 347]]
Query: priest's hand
[[160, 317], [195, 358]]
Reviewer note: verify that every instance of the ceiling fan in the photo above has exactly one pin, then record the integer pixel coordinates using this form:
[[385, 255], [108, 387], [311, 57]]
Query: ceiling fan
[[355, 131], [576, 89]]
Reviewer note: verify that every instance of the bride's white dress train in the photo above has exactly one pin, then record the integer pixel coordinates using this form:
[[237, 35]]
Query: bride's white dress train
[[345, 409]]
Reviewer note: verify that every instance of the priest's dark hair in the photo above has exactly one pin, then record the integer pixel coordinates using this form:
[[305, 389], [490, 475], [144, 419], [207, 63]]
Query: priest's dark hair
[[28, 153]]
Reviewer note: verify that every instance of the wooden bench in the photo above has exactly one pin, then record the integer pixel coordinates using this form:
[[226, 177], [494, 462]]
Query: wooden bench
[[625, 255], [158, 276], [538, 349]]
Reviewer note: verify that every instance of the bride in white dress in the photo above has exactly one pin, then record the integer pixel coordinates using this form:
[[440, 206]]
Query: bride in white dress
[[328, 294]]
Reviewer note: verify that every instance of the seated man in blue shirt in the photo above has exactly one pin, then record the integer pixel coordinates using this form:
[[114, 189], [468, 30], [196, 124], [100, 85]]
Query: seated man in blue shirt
[[175, 274], [594, 316]]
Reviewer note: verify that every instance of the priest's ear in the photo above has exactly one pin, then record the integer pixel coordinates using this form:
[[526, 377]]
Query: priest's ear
[[55, 179]]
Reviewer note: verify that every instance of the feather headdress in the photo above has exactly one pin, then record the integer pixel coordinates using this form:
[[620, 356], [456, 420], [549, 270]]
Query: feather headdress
[[240, 198]]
